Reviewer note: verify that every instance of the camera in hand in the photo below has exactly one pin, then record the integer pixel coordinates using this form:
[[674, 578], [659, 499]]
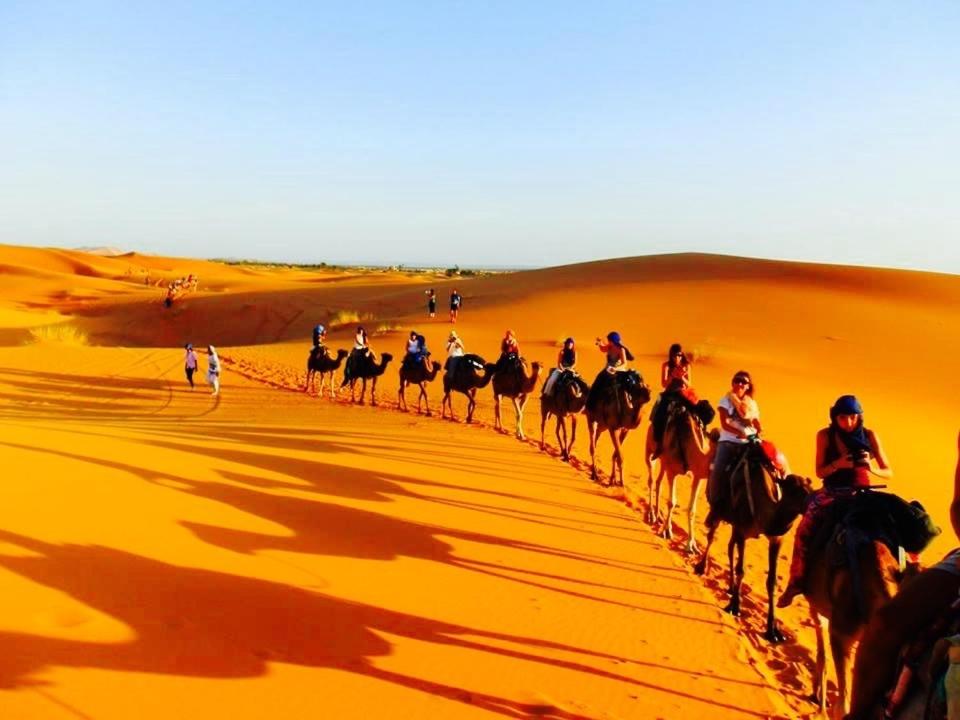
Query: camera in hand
[[860, 458]]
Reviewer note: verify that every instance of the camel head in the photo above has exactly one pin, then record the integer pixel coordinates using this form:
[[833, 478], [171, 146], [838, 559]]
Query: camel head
[[530, 382], [796, 489], [341, 354]]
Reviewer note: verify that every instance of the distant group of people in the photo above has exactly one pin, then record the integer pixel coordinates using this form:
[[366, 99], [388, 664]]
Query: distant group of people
[[191, 365], [456, 301], [179, 287]]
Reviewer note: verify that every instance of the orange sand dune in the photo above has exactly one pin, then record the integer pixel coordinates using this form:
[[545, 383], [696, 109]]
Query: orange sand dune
[[269, 554]]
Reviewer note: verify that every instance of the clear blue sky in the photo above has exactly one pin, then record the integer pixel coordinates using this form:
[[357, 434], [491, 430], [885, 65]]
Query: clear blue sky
[[484, 133]]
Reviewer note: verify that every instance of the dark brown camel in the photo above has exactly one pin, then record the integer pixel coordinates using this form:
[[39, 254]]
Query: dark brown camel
[[834, 601], [417, 375], [514, 383], [568, 399], [687, 449], [471, 373], [755, 501], [366, 368], [325, 365], [614, 404]]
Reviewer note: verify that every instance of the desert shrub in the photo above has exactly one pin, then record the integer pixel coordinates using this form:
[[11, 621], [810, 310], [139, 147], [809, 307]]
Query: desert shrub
[[63, 333], [339, 318]]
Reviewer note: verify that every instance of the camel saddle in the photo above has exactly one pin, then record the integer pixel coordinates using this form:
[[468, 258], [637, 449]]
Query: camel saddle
[[748, 480], [872, 516], [613, 386]]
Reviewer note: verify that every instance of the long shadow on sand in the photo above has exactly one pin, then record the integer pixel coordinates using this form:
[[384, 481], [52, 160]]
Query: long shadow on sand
[[200, 623]]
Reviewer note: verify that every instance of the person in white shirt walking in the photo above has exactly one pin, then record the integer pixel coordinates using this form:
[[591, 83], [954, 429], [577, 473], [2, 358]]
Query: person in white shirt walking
[[213, 369]]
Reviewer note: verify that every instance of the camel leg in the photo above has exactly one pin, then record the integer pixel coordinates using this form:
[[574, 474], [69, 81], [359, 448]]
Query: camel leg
[[497, 425], [573, 436], [739, 543], [562, 438], [373, 391], [443, 405], [543, 424], [616, 463], [471, 405], [333, 390], [518, 404], [820, 669], [842, 650], [401, 400], [593, 428], [667, 531], [426, 399], [704, 563], [692, 548], [773, 633], [653, 509]]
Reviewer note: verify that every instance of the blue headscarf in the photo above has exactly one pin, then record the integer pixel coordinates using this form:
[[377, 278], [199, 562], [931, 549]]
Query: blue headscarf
[[856, 440]]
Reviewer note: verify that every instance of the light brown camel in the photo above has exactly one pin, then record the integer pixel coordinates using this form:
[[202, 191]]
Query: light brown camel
[[366, 368], [325, 365], [513, 382], [569, 397], [835, 603], [417, 375], [687, 449], [470, 373], [614, 404], [755, 501]]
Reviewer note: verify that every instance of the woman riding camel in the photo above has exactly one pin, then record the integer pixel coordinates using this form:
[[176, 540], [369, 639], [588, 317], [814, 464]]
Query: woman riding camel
[[675, 378], [739, 422], [847, 455], [566, 363], [361, 349], [455, 351], [509, 351], [416, 349], [617, 353]]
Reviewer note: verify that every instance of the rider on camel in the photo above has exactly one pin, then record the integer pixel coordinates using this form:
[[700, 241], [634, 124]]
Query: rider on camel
[[847, 455]]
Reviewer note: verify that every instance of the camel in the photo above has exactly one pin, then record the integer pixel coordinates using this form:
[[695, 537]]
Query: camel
[[513, 382], [325, 365], [366, 368], [834, 603], [758, 502], [687, 449], [417, 375], [614, 407], [569, 398], [471, 373]]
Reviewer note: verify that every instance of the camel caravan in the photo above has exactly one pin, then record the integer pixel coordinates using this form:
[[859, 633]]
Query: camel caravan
[[856, 547]]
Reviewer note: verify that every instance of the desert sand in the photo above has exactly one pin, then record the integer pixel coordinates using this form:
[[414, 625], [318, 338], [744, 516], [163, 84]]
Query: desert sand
[[268, 553]]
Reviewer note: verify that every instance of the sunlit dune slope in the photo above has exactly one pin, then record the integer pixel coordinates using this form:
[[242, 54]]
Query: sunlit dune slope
[[247, 493]]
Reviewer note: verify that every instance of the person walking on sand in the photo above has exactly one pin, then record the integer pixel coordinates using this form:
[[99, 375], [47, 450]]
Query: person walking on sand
[[189, 363], [456, 300], [431, 302], [213, 369]]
